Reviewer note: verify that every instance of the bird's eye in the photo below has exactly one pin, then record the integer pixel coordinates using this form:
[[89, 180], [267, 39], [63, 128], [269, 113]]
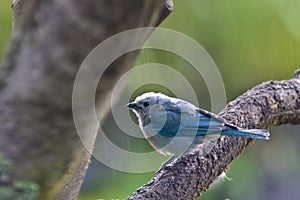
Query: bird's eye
[[146, 104]]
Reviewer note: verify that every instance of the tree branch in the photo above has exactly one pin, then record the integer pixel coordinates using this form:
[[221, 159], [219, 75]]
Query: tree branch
[[271, 103], [50, 40]]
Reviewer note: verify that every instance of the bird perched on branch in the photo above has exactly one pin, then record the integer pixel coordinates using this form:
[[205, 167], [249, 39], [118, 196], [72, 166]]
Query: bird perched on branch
[[172, 126]]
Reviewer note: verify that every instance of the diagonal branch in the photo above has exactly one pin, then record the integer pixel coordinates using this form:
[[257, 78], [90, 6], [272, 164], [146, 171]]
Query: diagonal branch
[[268, 104]]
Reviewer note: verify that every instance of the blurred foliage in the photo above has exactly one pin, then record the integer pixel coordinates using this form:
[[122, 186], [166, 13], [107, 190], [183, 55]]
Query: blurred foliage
[[18, 189], [250, 42], [5, 24]]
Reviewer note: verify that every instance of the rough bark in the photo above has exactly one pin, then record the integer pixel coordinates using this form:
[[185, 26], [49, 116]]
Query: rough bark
[[271, 103], [50, 40]]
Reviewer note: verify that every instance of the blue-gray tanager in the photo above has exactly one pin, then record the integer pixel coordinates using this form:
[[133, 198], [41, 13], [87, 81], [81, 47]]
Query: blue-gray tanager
[[173, 125]]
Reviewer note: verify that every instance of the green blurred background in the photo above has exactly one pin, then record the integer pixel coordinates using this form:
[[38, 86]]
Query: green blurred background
[[250, 42]]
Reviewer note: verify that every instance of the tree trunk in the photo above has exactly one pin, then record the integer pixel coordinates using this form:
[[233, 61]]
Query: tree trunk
[[41, 153]]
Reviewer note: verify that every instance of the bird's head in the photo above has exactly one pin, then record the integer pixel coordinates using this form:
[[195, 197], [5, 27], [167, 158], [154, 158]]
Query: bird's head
[[156, 103], [148, 103]]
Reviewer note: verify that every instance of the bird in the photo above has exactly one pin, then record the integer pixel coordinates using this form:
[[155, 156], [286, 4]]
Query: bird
[[173, 126]]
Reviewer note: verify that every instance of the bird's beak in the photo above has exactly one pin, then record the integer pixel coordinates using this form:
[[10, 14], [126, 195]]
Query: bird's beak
[[131, 105]]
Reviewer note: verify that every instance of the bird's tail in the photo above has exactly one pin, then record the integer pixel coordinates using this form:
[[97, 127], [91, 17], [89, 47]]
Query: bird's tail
[[252, 133]]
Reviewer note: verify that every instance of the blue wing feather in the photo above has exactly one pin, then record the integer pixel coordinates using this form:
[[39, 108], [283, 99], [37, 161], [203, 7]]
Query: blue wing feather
[[205, 123], [166, 123], [172, 124]]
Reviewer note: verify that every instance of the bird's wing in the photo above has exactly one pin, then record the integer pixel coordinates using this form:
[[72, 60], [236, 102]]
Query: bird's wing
[[166, 123], [230, 129], [208, 122], [208, 119], [172, 123]]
